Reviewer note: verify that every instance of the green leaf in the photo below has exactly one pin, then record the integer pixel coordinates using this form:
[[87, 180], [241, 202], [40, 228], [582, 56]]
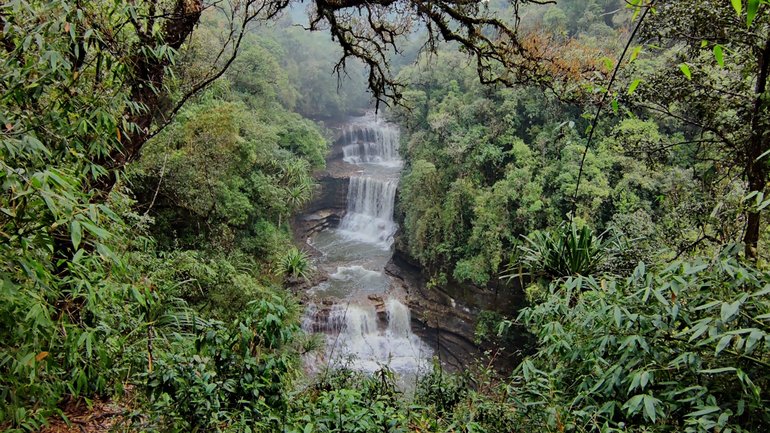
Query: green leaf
[[738, 6], [618, 317], [762, 292], [635, 53], [751, 11], [76, 233], [723, 343], [717, 370], [96, 231], [649, 407], [615, 105], [686, 70], [729, 311], [719, 55], [633, 86], [752, 340], [704, 411], [632, 405], [707, 306], [645, 379]]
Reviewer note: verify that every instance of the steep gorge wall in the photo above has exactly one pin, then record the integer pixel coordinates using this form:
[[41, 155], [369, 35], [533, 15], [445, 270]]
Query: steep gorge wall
[[444, 317], [329, 201], [327, 207]]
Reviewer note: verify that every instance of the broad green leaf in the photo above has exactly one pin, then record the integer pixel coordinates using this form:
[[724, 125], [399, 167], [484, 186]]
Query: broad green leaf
[[719, 55], [738, 6], [649, 407], [729, 311], [751, 11], [644, 379], [632, 405], [723, 420], [705, 411], [763, 292], [96, 230], [686, 70], [752, 340], [633, 86], [635, 53], [618, 317], [723, 343]]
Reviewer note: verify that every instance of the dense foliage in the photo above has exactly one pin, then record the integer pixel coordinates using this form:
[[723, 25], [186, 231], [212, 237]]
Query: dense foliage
[[108, 292], [486, 167], [682, 349], [155, 279]]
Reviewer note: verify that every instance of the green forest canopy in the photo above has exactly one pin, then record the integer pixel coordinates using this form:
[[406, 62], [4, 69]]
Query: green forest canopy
[[153, 153]]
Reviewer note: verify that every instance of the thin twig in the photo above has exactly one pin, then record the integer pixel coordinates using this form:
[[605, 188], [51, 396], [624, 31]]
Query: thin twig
[[157, 189], [595, 121]]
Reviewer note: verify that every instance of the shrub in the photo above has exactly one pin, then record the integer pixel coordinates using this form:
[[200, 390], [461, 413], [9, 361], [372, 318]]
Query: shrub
[[232, 376], [566, 251], [294, 264], [685, 348]]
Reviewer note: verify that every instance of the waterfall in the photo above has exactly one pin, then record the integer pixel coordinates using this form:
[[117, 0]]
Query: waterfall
[[370, 140], [365, 325], [364, 337], [399, 318], [369, 216]]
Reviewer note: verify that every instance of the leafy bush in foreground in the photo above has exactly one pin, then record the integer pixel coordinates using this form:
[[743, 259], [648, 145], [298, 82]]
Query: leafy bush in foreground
[[684, 349], [231, 377]]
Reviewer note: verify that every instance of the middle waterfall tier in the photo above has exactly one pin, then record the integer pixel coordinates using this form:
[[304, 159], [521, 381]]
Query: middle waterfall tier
[[369, 217]]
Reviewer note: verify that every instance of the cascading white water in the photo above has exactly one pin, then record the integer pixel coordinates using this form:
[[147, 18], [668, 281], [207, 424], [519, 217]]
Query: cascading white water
[[366, 326], [370, 140], [370, 210], [365, 338]]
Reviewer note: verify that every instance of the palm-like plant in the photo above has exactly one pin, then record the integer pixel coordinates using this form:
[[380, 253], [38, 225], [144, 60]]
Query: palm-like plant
[[566, 251], [294, 264]]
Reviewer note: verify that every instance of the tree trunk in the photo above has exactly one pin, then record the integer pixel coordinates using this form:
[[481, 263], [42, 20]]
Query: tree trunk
[[756, 168], [147, 87]]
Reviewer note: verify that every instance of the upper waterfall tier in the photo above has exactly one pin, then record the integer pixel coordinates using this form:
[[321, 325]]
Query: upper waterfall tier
[[370, 140]]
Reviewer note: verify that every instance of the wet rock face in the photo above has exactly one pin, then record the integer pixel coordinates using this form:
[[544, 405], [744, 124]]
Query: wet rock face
[[446, 317], [448, 330], [329, 202], [326, 209]]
